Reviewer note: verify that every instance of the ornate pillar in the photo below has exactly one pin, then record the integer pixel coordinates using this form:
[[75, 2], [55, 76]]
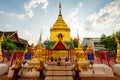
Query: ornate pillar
[[118, 53], [118, 49], [1, 39], [0, 52]]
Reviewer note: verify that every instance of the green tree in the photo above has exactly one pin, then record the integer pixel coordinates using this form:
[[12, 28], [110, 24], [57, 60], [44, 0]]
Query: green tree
[[8, 45], [118, 35], [75, 42], [109, 41]]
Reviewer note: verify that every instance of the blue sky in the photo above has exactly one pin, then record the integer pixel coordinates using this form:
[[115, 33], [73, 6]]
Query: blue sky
[[91, 18]]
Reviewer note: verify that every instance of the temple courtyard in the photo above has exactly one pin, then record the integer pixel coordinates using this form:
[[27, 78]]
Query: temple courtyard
[[63, 72], [60, 57]]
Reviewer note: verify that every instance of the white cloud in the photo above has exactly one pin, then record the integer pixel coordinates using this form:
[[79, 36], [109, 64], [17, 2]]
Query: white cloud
[[27, 33], [19, 16], [107, 15], [31, 42], [80, 4], [33, 4], [116, 27], [8, 25], [2, 12], [73, 17]]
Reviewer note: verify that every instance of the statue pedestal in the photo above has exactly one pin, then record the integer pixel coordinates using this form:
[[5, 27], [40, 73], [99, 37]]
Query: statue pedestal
[[15, 74], [41, 76], [118, 58], [118, 61], [84, 64], [77, 77]]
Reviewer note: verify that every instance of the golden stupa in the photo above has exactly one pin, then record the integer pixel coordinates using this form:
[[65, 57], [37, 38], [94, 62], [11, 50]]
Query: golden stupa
[[38, 50], [60, 43], [60, 27]]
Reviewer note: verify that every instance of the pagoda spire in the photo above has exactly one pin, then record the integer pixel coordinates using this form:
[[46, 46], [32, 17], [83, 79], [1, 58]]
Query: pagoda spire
[[78, 36], [60, 9], [40, 39]]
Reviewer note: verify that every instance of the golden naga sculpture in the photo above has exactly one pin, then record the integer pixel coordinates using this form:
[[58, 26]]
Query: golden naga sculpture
[[42, 64], [81, 62], [18, 63], [80, 56], [89, 49]]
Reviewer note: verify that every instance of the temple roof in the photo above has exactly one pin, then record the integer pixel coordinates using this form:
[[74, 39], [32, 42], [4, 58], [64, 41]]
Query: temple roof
[[54, 43], [39, 45], [23, 41], [13, 35], [1, 33], [60, 23]]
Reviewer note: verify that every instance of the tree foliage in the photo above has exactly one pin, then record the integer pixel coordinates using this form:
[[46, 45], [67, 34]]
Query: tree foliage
[[109, 41], [75, 42], [8, 45]]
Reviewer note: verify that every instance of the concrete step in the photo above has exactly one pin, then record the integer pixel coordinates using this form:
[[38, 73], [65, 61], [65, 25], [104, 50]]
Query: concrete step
[[64, 73], [59, 78], [59, 68]]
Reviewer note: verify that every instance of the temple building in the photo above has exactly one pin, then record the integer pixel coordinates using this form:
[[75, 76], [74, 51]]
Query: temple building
[[60, 43], [94, 42], [9, 52], [13, 36]]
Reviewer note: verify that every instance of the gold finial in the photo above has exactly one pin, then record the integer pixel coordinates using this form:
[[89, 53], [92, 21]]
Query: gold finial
[[40, 39], [60, 9], [78, 36]]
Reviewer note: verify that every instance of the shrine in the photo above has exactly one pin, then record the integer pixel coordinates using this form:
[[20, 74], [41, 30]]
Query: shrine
[[60, 43]]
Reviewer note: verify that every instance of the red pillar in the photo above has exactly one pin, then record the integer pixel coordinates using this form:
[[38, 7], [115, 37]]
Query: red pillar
[[106, 58], [51, 54], [3, 55], [48, 55], [68, 55], [100, 56], [114, 57]]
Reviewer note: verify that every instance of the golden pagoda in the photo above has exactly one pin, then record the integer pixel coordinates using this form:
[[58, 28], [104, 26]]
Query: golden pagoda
[[60, 27], [60, 43], [38, 50]]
